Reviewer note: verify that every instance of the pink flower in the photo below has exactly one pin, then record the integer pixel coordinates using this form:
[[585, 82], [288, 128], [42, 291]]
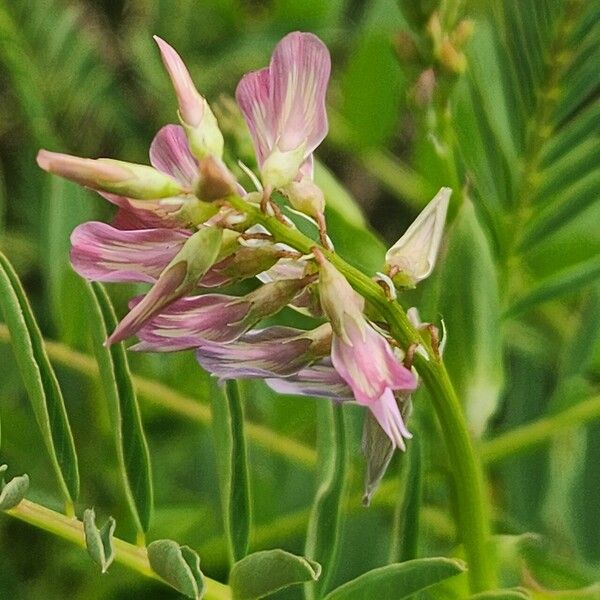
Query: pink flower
[[284, 106], [362, 356]]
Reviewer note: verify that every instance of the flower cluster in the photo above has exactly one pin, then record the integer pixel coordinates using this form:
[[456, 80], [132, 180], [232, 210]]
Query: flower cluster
[[176, 228]]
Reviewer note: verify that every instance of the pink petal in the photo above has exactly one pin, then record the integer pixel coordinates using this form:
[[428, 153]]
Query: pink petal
[[189, 322], [142, 214], [170, 153], [368, 364], [320, 380], [253, 96], [270, 352], [387, 413], [298, 77], [102, 253]]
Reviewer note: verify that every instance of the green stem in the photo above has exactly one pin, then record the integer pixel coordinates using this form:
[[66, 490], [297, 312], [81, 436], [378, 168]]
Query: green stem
[[468, 477], [127, 554], [533, 434]]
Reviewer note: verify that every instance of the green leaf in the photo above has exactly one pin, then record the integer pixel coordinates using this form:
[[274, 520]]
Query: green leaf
[[179, 566], [324, 526], [14, 491], [40, 380], [66, 205], [399, 581], [469, 304], [263, 573], [567, 281], [99, 542], [405, 540], [132, 448], [228, 426], [512, 594]]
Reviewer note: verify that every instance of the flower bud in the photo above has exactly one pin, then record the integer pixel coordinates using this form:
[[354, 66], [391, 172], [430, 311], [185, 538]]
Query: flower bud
[[215, 181], [103, 174], [412, 258], [306, 197], [198, 120]]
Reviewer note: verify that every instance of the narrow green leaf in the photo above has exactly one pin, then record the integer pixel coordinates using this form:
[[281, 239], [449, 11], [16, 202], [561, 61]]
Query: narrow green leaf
[[263, 573], [399, 581], [512, 594], [179, 566], [228, 425], [40, 380], [324, 527], [14, 491], [566, 281], [406, 520], [470, 306], [99, 542], [132, 448]]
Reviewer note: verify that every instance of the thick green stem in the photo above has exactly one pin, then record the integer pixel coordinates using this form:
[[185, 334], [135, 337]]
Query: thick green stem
[[467, 472], [71, 529]]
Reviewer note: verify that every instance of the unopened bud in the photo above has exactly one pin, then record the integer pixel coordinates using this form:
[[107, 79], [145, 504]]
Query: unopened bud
[[405, 47], [215, 180], [463, 32], [306, 197], [198, 120], [135, 181], [412, 258], [424, 88], [454, 60]]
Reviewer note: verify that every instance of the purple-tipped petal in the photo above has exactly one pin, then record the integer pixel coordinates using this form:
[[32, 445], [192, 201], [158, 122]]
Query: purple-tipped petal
[[387, 413], [320, 380], [298, 77], [170, 153], [190, 322], [253, 97], [144, 214], [270, 352], [102, 253]]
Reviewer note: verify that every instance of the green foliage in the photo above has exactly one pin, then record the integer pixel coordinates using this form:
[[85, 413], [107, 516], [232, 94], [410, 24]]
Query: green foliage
[[179, 566], [228, 426], [398, 581], [130, 439], [263, 573], [40, 380], [516, 136], [99, 542]]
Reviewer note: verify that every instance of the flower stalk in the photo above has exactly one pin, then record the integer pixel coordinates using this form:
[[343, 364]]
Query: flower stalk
[[466, 468]]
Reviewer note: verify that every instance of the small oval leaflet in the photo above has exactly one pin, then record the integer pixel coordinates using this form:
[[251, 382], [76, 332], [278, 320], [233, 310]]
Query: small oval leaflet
[[398, 581], [99, 542], [14, 491], [179, 566], [265, 572]]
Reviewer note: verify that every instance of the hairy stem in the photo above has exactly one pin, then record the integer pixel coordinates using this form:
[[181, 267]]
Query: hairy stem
[[467, 472], [127, 554]]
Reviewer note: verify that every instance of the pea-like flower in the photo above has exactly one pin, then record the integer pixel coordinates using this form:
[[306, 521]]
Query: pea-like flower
[[361, 355], [284, 107]]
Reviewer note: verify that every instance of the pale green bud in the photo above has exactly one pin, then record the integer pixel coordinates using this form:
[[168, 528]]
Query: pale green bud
[[280, 168]]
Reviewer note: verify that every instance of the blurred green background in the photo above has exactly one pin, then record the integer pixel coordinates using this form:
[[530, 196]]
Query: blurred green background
[[498, 100]]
